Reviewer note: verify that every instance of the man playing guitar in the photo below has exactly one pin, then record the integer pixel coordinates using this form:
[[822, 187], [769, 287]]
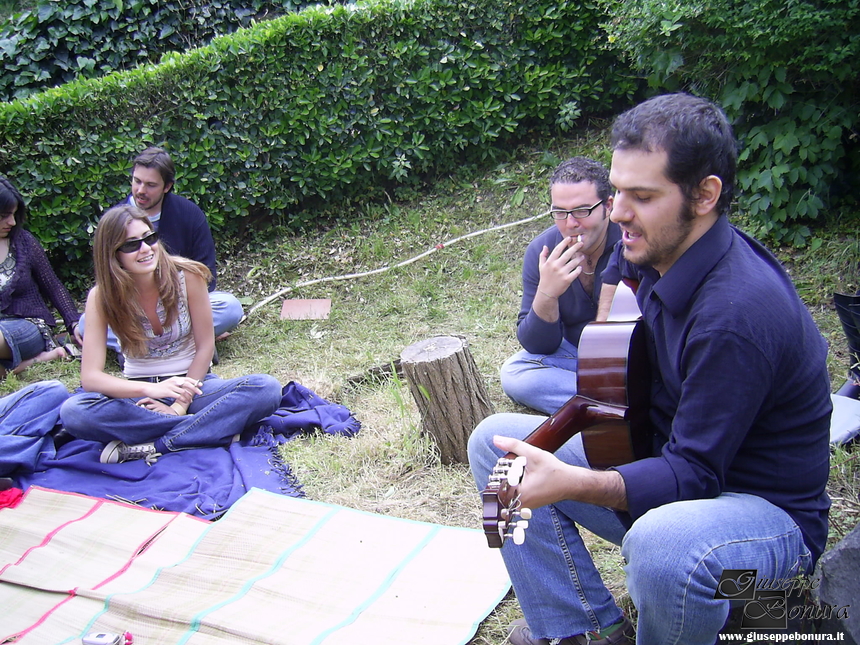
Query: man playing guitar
[[739, 406]]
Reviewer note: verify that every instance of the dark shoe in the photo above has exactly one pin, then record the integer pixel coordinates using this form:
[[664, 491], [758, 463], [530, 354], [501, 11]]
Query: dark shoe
[[61, 438], [624, 634], [117, 452], [72, 351]]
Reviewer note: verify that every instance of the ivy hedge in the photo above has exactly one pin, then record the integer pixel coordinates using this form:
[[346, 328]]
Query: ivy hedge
[[330, 104], [58, 41], [786, 73]]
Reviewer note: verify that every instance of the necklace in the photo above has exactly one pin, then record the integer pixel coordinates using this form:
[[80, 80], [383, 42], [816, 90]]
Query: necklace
[[588, 259]]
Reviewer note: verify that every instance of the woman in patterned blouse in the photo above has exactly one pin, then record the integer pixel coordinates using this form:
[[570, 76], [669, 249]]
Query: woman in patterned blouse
[[158, 306]]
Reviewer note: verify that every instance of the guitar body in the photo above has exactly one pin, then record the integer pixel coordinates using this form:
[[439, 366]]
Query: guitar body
[[610, 411], [614, 370]]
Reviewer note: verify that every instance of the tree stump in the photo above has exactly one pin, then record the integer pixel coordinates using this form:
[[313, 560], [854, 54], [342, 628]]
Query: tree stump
[[449, 391]]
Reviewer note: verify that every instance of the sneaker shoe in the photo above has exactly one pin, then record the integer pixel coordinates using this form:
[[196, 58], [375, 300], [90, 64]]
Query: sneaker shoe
[[621, 633], [117, 452]]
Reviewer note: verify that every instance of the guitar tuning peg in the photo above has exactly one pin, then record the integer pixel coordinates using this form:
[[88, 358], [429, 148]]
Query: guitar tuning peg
[[526, 513], [519, 535], [515, 472]]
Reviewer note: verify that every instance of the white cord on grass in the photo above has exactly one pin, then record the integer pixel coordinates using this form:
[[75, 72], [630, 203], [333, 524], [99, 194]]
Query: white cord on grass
[[351, 276]]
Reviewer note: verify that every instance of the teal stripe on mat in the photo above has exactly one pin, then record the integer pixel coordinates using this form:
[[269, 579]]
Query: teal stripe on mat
[[195, 622], [191, 551], [382, 587], [89, 628]]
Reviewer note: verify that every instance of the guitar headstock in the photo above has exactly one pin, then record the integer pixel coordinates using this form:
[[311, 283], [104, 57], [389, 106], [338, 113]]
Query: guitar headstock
[[504, 515]]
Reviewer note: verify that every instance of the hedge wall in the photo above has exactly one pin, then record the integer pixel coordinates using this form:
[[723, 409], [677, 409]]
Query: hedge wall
[[325, 104], [786, 73], [58, 41]]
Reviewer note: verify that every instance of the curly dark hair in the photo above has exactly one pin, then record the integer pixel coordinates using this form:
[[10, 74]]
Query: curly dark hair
[[580, 169]]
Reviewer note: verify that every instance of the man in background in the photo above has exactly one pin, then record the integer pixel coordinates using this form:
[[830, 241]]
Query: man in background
[[182, 228], [740, 414], [561, 286]]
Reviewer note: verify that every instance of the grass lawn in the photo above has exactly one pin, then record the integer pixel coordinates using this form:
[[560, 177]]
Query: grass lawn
[[469, 288]]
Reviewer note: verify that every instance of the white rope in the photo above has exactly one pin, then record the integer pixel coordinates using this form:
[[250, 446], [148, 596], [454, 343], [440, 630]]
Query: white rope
[[363, 274]]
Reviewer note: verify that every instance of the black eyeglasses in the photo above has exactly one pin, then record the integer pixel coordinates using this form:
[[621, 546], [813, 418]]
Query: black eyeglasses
[[578, 213], [133, 246]]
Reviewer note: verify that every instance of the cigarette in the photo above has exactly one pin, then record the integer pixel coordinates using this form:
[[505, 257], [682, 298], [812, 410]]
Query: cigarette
[[579, 239]]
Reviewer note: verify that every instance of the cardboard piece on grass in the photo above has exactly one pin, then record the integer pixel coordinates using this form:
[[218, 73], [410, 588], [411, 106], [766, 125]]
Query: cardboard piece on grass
[[296, 309]]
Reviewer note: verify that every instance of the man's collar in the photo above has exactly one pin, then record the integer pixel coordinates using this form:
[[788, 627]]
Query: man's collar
[[152, 218], [677, 286]]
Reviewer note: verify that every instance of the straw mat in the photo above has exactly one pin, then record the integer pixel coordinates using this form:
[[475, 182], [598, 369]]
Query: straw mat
[[274, 569]]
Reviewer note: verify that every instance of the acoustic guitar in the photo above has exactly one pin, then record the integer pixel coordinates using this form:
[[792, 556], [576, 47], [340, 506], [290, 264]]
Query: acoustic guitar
[[610, 411]]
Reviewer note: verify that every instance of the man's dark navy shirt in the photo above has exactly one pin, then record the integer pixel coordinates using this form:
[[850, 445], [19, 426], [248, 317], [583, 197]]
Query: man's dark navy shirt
[[576, 306], [740, 399]]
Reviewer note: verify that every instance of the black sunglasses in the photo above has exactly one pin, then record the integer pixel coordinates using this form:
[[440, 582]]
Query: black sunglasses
[[133, 246]]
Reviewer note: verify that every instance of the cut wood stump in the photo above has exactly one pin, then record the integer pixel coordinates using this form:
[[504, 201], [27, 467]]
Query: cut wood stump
[[449, 391]]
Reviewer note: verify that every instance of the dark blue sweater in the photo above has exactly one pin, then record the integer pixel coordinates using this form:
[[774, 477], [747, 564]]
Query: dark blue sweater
[[741, 394], [576, 306], [33, 282]]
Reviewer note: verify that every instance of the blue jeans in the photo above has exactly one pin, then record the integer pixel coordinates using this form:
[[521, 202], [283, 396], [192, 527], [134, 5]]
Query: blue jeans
[[226, 311], [226, 314], [225, 408], [542, 382], [674, 554], [24, 339], [26, 418]]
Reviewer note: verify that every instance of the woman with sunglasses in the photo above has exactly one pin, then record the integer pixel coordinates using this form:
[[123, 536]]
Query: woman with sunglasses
[[158, 306], [27, 280]]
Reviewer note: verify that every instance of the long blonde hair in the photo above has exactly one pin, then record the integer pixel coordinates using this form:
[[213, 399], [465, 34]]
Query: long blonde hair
[[117, 293]]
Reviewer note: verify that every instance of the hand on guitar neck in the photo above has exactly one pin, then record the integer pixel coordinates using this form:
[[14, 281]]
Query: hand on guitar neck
[[550, 480], [611, 414]]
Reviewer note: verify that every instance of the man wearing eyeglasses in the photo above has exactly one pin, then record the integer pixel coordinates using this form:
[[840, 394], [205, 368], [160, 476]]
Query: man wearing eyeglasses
[[561, 286]]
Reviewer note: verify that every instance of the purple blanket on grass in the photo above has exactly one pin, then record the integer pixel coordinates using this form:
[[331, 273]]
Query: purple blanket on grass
[[205, 481]]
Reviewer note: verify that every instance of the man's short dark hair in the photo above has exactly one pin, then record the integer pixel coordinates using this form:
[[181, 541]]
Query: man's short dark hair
[[159, 159], [580, 169], [695, 134]]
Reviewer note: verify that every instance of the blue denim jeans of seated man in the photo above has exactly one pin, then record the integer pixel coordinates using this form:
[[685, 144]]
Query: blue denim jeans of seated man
[[542, 382], [26, 419], [674, 554], [226, 315], [226, 408]]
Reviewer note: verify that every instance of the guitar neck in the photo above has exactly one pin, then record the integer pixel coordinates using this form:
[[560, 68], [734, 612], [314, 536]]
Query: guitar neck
[[578, 414]]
